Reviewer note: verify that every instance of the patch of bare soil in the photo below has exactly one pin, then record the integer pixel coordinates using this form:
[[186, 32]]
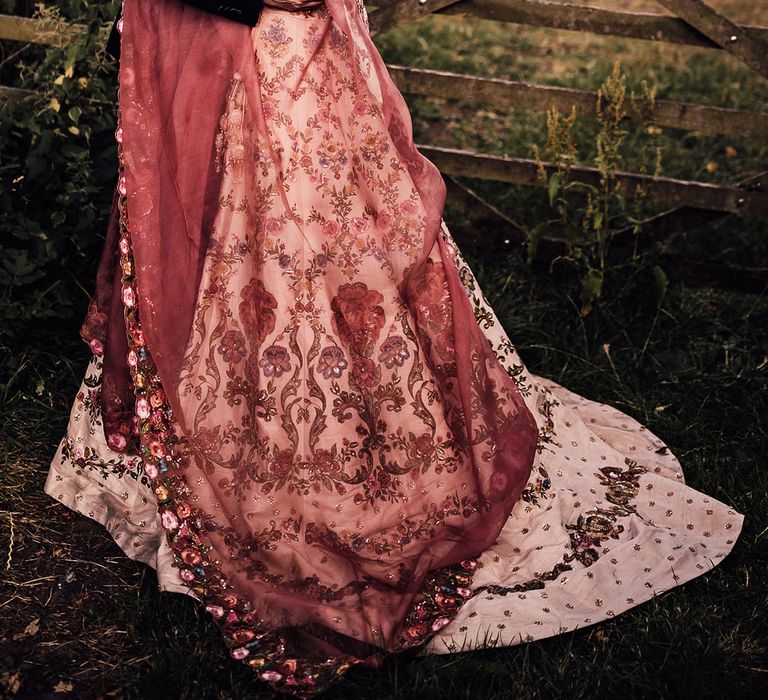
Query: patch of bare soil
[[60, 573]]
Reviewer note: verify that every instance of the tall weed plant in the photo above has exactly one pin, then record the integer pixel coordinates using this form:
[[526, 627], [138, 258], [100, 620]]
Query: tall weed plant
[[590, 221]]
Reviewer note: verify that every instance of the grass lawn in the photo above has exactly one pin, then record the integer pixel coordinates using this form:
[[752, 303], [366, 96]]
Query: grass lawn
[[79, 619]]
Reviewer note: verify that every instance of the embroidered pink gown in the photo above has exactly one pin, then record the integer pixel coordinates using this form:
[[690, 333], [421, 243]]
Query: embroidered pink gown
[[345, 456]]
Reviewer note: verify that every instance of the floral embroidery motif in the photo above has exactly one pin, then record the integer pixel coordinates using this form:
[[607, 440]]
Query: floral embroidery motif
[[357, 317], [120, 440], [277, 38], [332, 362], [257, 311], [394, 352], [232, 347], [275, 360], [598, 524], [591, 528], [88, 458], [536, 490]]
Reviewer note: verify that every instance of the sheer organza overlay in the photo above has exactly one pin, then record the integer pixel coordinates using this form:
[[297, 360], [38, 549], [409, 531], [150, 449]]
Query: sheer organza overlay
[[341, 424]]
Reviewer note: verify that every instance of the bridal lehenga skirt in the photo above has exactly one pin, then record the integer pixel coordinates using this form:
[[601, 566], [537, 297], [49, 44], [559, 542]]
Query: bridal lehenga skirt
[[605, 522]]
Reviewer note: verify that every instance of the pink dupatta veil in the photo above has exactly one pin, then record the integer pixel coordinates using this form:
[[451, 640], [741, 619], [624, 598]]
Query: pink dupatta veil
[[327, 590]]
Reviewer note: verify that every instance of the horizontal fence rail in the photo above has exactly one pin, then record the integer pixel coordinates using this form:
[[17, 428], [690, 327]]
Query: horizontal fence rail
[[555, 15], [693, 204], [35, 31], [524, 171], [502, 93]]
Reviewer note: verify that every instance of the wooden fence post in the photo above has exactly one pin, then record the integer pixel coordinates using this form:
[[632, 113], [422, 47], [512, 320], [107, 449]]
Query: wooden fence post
[[730, 36]]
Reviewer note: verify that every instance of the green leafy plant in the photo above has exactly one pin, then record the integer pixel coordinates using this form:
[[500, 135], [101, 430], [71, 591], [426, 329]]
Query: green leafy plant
[[589, 222], [58, 168]]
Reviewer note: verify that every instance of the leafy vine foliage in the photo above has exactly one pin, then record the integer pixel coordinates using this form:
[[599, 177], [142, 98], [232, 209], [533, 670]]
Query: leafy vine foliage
[[58, 167]]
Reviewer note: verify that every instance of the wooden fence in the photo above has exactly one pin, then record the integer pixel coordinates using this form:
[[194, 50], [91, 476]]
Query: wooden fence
[[691, 204]]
